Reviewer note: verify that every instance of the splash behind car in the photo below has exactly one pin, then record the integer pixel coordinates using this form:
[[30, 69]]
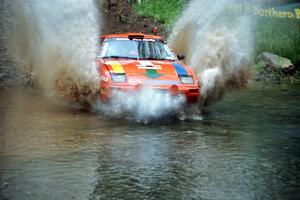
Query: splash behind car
[[134, 60]]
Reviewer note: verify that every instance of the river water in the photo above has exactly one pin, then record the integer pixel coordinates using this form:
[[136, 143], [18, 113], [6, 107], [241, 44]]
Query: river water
[[246, 147]]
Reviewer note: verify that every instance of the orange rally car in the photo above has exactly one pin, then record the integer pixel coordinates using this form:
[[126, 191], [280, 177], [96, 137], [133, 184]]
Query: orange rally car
[[132, 61]]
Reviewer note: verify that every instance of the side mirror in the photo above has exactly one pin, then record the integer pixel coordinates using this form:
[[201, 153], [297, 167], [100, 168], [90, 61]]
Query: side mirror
[[181, 57]]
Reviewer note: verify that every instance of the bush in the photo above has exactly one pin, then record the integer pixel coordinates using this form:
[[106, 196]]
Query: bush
[[165, 12]]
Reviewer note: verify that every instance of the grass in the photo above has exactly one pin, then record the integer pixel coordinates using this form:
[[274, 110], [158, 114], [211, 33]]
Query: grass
[[165, 12]]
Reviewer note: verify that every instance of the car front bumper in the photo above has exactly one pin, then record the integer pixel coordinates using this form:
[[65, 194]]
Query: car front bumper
[[191, 93]]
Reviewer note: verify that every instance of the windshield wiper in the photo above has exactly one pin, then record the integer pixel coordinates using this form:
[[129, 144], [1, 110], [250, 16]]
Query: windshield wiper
[[126, 57]]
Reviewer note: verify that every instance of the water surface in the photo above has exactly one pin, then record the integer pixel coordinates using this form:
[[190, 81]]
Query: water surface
[[246, 147]]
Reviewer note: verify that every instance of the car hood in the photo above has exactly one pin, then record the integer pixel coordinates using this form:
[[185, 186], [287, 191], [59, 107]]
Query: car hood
[[147, 69]]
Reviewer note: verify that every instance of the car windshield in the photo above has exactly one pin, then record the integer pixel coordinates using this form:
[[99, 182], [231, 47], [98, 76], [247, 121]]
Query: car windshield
[[136, 49]]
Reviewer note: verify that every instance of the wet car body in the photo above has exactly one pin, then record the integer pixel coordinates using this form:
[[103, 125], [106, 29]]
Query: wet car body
[[133, 61]]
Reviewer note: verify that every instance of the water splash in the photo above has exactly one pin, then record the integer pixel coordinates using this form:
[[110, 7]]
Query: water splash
[[142, 106], [56, 42], [217, 45]]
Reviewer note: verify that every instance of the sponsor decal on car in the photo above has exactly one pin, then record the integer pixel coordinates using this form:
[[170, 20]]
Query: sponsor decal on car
[[104, 78], [147, 65], [152, 73], [161, 82], [181, 71], [116, 67], [102, 91], [135, 81]]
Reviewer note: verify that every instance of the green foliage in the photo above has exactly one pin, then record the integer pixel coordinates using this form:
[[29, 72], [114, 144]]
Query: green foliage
[[259, 66], [278, 36], [164, 11]]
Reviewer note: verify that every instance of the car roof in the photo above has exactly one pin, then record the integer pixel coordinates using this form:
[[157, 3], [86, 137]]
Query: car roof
[[137, 35]]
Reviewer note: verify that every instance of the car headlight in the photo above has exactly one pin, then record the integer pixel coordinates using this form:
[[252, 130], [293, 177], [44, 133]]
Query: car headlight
[[186, 79], [119, 78]]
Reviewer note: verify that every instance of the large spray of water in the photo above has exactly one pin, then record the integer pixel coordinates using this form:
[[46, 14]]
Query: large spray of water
[[143, 106], [217, 45], [56, 42]]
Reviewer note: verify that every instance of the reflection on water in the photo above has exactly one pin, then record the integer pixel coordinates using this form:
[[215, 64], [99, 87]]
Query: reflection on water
[[247, 147]]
